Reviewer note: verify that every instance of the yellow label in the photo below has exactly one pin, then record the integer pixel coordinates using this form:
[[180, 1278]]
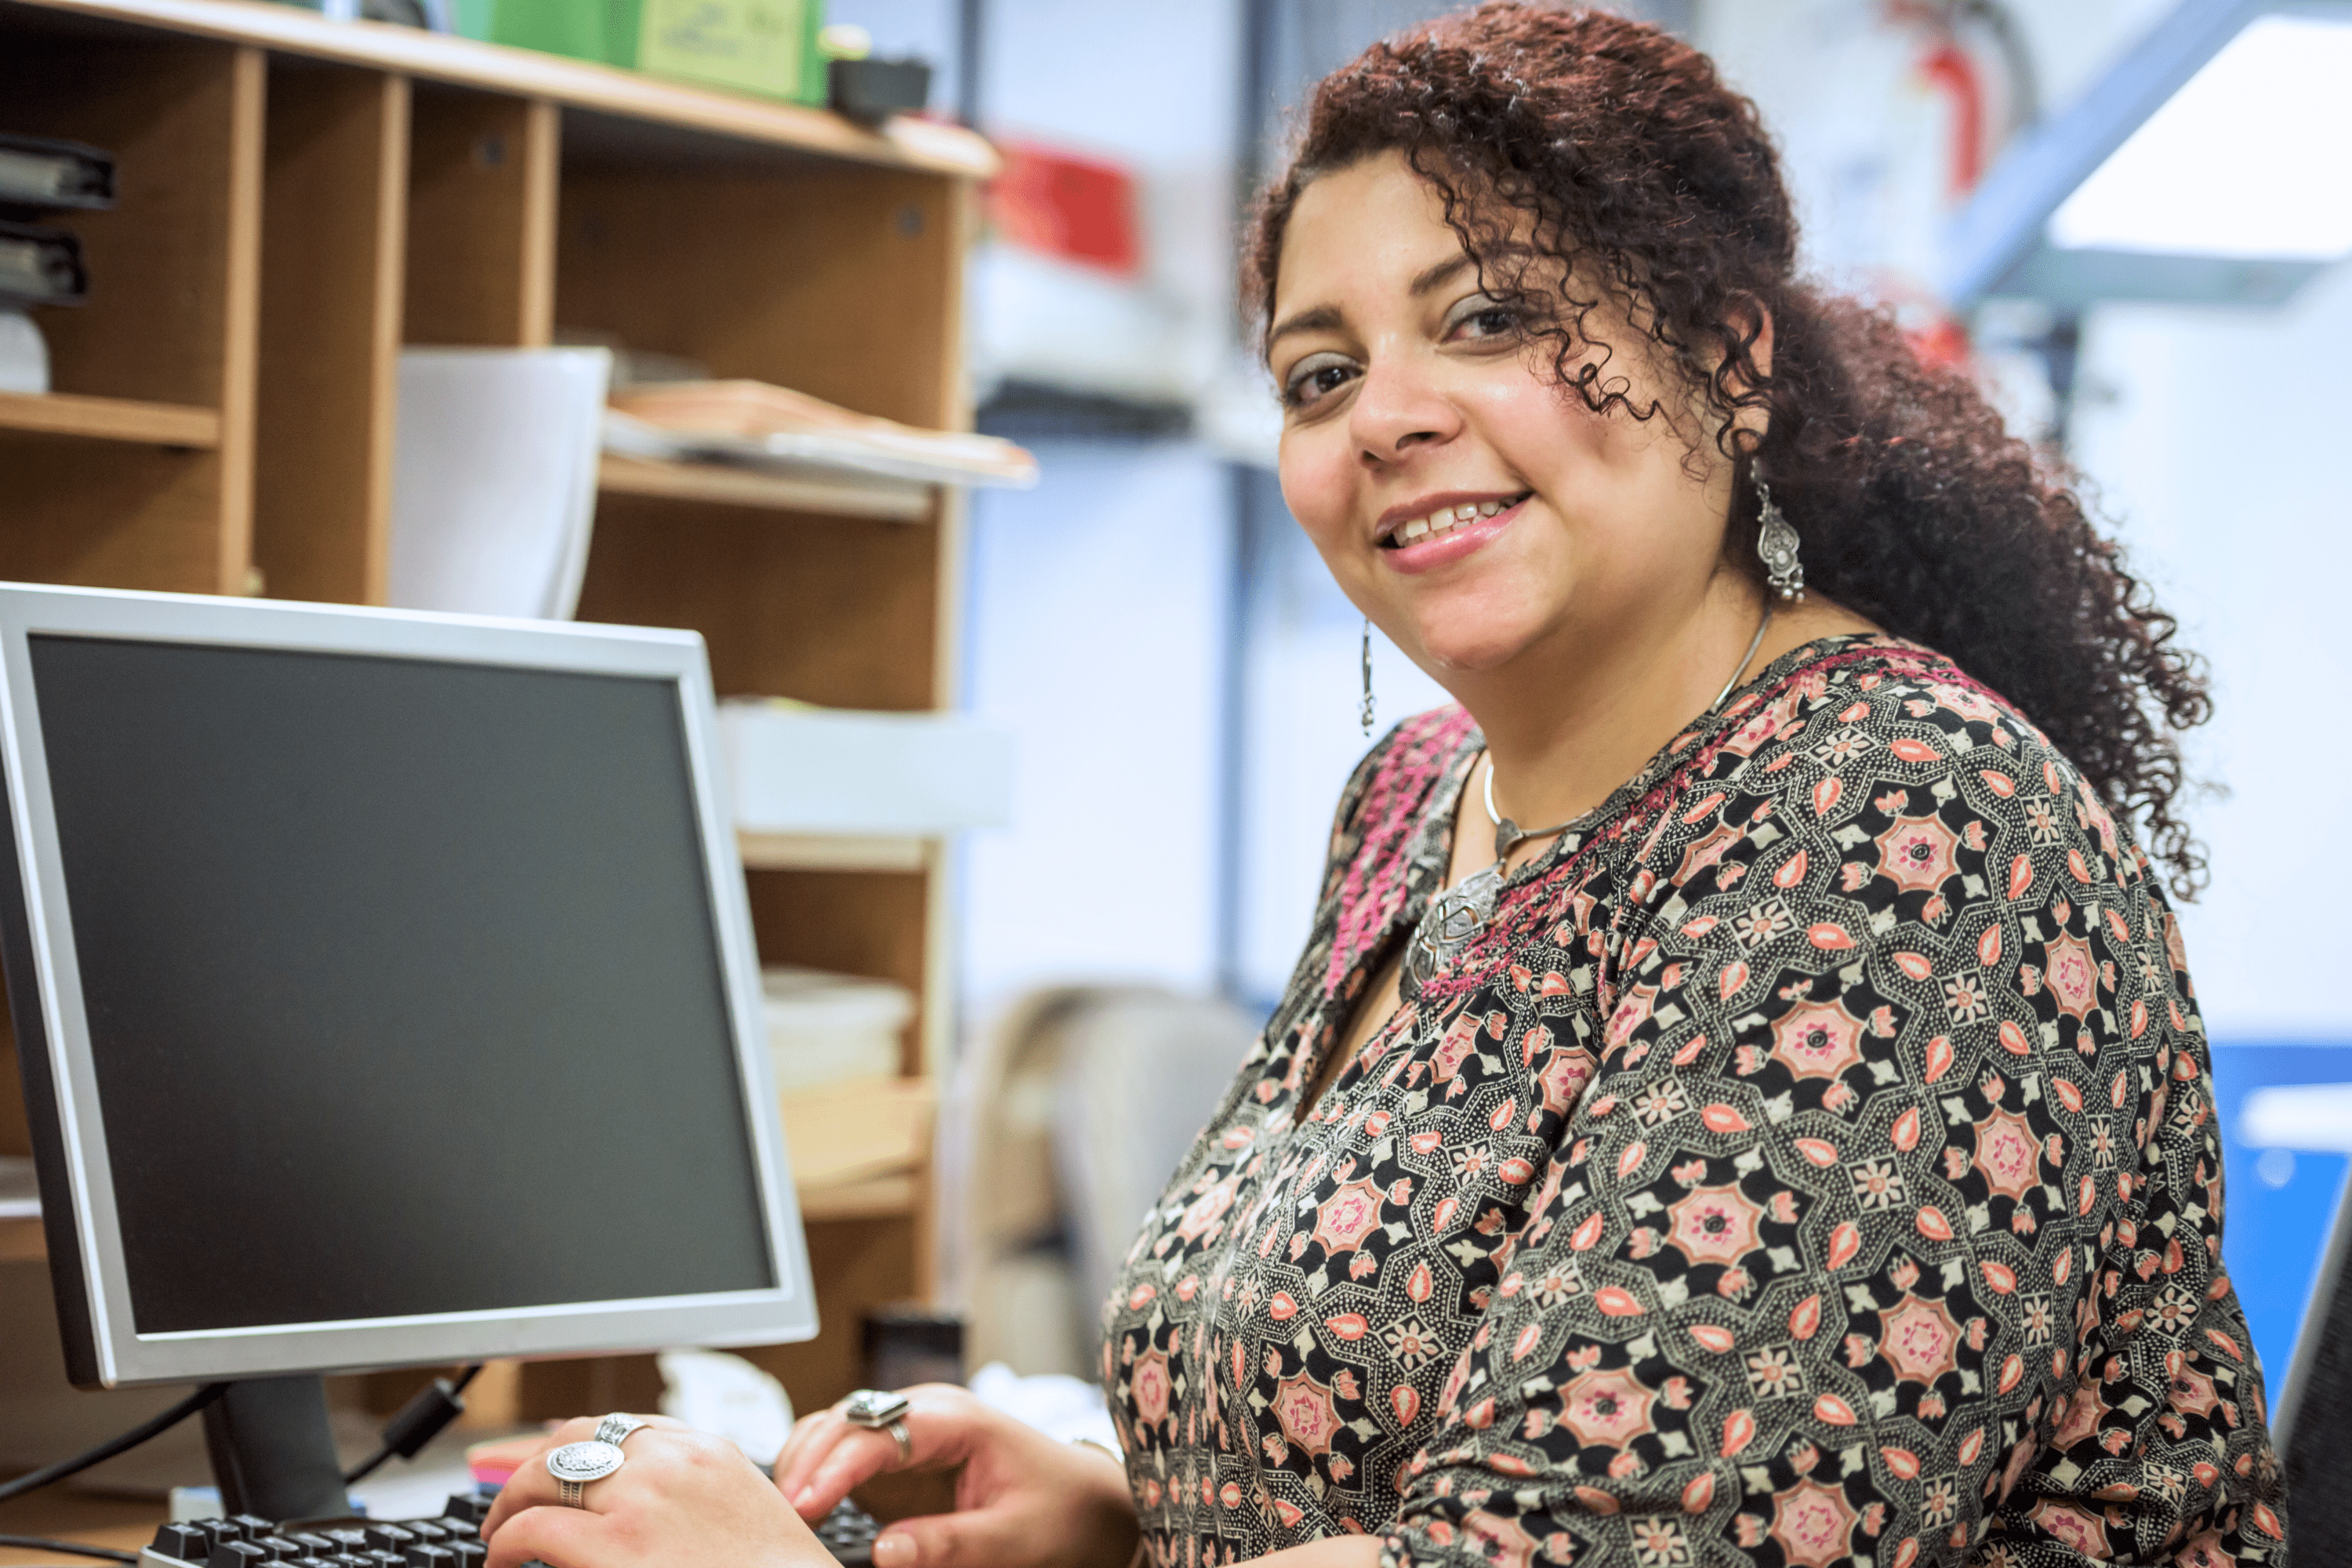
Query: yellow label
[[754, 44]]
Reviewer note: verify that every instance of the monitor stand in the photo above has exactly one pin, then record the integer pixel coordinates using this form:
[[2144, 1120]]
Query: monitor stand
[[272, 1451]]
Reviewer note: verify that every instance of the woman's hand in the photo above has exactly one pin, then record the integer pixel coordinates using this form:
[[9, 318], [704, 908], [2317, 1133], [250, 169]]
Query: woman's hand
[[1022, 1501], [681, 1497]]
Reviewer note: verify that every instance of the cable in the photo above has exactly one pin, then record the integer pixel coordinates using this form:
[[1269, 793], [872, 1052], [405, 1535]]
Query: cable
[[114, 1445], [419, 1422], [43, 1543]]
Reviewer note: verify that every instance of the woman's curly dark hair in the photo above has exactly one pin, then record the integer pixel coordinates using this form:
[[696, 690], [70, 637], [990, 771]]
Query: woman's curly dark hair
[[1579, 138]]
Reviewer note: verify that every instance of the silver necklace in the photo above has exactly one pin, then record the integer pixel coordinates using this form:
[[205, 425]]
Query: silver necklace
[[1462, 911]]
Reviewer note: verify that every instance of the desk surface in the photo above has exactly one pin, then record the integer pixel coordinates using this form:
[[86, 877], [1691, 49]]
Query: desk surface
[[125, 1523]]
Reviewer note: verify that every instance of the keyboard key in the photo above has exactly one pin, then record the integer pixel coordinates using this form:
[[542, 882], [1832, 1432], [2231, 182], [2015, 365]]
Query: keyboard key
[[347, 1540], [219, 1530], [471, 1507], [425, 1554], [187, 1543], [389, 1538], [471, 1551], [426, 1529], [312, 1545], [280, 1549], [252, 1527], [238, 1554]]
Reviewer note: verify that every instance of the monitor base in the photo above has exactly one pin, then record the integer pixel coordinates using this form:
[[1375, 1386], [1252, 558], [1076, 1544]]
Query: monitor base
[[273, 1454]]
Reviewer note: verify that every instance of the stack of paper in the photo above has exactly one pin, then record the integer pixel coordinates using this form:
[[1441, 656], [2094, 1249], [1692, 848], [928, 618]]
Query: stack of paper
[[774, 428], [796, 769], [827, 1028]]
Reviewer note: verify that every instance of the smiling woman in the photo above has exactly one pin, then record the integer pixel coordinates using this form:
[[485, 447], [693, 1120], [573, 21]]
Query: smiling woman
[[1795, 1150]]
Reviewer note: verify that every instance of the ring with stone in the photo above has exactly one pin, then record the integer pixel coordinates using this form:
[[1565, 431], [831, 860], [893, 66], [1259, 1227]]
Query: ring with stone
[[877, 1410], [575, 1465]]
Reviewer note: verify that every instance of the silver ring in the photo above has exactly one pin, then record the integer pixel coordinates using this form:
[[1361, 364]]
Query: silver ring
[[575, 1465], [879, 1411], [615, 1428]]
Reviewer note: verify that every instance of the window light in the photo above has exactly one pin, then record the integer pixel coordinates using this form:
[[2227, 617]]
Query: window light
[[2246, 160]]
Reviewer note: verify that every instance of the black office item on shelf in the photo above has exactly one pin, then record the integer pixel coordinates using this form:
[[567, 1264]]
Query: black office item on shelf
[[909, 1343], [40, 265], [870, 91], [42, 174]]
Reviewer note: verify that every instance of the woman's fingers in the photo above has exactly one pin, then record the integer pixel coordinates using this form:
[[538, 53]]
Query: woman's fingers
[[981, 1538], [808, 1430], [680, 1498], [570, 1536], [531, 1485], [856, 1457], [812, 1438]]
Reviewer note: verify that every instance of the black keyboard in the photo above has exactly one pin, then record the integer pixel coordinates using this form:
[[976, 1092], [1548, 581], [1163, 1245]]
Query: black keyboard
[[452, 1541]]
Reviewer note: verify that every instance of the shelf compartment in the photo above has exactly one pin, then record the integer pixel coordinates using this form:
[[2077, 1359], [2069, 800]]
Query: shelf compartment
[[21, 1241], [852, 1134], [832, 852], [897, 501], [110, 419]]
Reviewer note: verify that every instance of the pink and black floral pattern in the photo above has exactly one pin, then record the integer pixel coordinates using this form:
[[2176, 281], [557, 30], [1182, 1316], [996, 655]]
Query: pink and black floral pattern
[[1813, 1163]]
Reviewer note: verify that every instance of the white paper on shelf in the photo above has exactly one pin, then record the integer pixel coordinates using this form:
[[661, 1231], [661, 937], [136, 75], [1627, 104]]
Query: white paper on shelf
[[929, 458], [826, 1028], [793, 768], [494, 478]]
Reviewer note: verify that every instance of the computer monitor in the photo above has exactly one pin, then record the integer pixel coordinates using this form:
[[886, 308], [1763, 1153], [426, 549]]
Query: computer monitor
[[385, 990]]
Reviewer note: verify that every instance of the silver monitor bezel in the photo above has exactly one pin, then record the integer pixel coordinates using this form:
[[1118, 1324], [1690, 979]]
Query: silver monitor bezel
[[123, 1355]]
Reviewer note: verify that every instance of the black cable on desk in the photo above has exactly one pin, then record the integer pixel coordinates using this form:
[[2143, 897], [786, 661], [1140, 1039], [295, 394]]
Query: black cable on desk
[[114, 1445], [72, 1548], [419, 1422]]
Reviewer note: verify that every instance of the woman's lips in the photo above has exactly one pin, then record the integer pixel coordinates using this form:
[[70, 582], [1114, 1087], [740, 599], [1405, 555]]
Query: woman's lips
[[1429, 555]]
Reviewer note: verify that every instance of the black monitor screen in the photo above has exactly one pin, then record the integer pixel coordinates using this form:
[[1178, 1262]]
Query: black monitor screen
[[402, 985]]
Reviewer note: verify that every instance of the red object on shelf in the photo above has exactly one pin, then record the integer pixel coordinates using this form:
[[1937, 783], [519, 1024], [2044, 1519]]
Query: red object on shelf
[[1066, 205], [1949, 69]]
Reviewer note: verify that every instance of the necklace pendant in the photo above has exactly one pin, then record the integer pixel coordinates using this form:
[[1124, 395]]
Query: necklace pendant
[[1452, 918], [1507, 837]]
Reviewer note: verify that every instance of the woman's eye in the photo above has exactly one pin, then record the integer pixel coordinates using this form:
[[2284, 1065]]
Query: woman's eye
[[1477, 319], [1315, 379]]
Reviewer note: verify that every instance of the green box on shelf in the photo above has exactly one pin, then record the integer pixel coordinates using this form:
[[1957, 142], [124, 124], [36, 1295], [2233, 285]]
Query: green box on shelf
[[580, 28], [766, 46]]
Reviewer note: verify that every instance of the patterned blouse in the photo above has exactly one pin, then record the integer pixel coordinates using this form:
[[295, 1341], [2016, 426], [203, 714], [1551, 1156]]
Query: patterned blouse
[[1813, 1163]]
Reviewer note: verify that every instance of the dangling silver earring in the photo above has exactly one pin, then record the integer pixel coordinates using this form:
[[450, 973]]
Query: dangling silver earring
[[1776, 546], [1365, 712]]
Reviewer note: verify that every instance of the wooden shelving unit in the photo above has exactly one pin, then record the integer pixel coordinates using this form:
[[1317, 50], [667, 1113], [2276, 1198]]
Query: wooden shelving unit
[[300, 198]]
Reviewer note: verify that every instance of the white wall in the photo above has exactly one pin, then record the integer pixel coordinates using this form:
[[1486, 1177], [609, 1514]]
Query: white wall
[[1301, 740], [1097, 603], [2216, 439], [1097, 609]]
